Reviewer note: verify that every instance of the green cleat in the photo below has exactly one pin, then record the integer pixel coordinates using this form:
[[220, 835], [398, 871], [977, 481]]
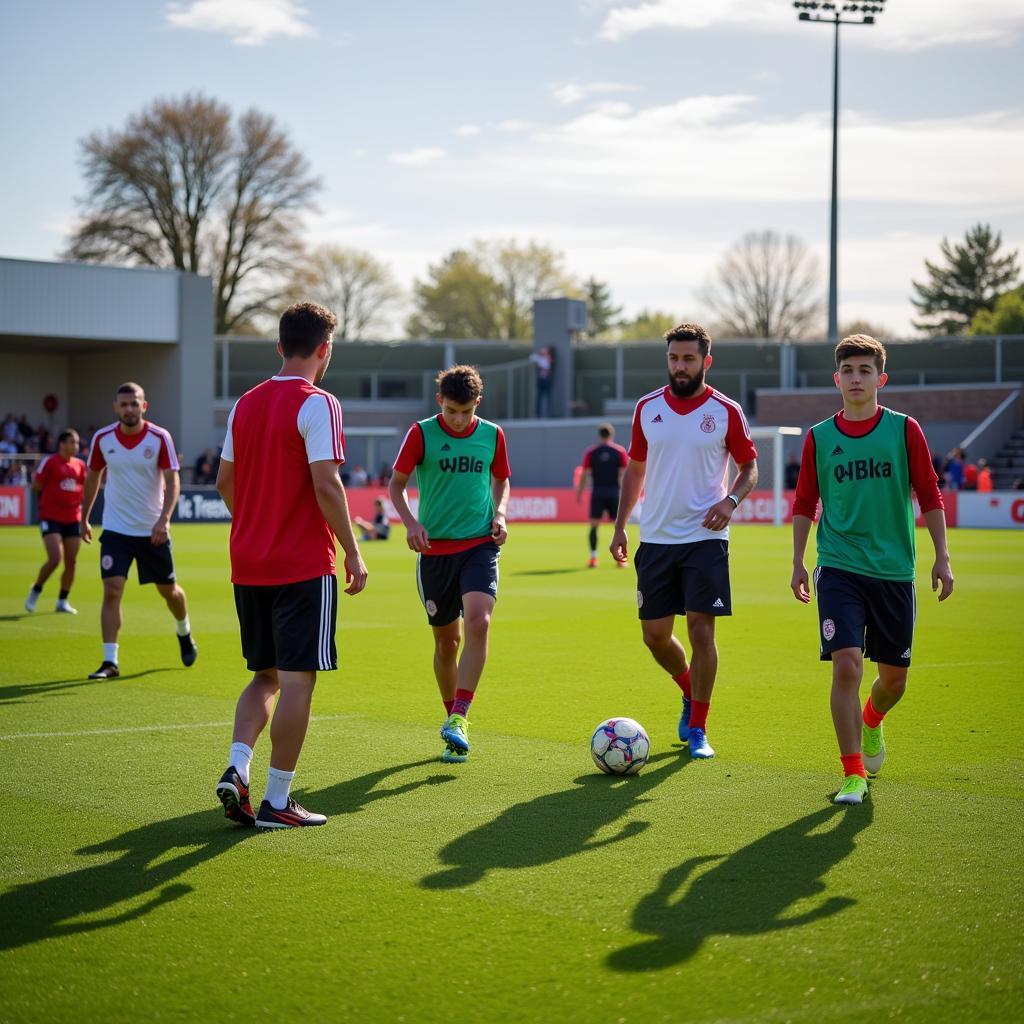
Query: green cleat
[[452, 755], [455, 732], [855, 788], [872, 744]]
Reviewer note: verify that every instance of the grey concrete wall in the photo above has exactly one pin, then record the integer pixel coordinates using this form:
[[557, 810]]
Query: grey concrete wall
[[544, 453], [193, 368], [27, 379]]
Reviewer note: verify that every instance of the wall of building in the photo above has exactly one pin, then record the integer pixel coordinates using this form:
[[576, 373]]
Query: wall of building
[[27, 379]]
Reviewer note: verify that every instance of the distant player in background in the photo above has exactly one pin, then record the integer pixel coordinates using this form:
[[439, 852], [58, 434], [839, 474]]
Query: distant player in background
[[462, 473], [59, 481], [862, 463], [143, 484], [603, 466], [279, 478], [683, 436], [379, 528]]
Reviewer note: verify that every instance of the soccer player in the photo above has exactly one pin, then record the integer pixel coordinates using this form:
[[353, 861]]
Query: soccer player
[[142, 489], [862, 463], [683, 435], [462, 473], [603, 466], [279, 478], [379, 528], [59, 482]]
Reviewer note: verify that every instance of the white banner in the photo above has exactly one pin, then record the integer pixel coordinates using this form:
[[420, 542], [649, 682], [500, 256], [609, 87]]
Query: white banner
[[993, 509]]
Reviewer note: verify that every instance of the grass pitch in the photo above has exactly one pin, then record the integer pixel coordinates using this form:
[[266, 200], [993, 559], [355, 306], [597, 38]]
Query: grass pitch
[[522, 886]]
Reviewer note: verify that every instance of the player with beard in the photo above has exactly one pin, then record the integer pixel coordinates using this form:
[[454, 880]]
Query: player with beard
[[142, 489], [683, 436]]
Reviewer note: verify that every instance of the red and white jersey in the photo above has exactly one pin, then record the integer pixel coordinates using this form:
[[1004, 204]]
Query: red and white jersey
[[133, 497], [63, 483], [686, 443], [278, 533]]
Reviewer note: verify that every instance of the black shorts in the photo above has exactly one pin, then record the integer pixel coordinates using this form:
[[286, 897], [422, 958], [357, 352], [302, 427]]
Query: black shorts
[[290, 626], [64, 529], [672, 579], [443, 579], [602, 501], [118, 551], [875, 616]]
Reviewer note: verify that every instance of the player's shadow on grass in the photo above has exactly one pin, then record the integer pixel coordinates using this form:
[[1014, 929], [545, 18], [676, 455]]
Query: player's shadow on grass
[[353, 795], [749, 892], [552, 826], [18, 693], [116, 891], [545, 572]]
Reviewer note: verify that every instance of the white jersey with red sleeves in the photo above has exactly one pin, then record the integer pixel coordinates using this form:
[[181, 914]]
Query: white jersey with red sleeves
[[278, 533], [686, 443], [133, 497]]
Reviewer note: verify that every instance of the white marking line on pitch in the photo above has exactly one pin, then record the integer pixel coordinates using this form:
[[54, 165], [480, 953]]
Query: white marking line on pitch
[[142, 728]]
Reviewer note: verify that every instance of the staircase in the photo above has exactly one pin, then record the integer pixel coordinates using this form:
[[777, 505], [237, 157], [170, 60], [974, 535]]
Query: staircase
[[1008, 464]]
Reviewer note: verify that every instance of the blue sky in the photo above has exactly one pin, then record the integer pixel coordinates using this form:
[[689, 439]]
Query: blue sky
[[640, 138]]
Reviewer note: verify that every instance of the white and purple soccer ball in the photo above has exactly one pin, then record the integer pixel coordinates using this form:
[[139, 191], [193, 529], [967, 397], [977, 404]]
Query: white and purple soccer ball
[[620, 746]]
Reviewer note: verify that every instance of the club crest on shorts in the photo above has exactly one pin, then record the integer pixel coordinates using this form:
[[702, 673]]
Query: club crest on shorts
[[707, 424], [431, 607], [639, 599], [107, 562], [828, 629]]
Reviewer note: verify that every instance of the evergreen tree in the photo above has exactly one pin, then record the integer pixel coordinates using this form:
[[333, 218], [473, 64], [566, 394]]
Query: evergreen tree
[[603, 317], [972, 277]]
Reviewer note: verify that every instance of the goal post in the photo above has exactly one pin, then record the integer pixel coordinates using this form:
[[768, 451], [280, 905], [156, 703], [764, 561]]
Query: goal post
[[777, 436]]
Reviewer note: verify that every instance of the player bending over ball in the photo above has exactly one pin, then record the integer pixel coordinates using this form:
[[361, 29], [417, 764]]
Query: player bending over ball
[[862, 463], [683, 435], [462, 474]]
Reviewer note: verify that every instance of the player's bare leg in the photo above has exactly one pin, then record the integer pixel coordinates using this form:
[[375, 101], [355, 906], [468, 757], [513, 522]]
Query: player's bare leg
[[847, 672], [477, 609], [700, 628], [254, 707], [667, 651], [446, 660], [886, 692], [71, 546], [53, 553], [178, 605], [592, 539], [110, 612]]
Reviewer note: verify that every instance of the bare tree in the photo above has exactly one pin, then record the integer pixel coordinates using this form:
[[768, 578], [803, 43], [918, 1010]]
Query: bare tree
[[357, 287], [180, 186], [766, 287]]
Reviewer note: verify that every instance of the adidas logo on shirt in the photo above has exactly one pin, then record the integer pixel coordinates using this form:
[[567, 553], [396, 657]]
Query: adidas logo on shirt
[[718, 604], [837, 450], [657, 419], [446, 447]]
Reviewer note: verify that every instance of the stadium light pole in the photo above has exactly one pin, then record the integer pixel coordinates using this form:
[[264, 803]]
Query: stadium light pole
[[832, 14]]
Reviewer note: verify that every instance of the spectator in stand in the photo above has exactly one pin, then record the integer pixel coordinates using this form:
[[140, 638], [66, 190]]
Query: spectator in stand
[[955, 470], [384, 476], [9, 432], [939, 465], [792, 472], [359, 476], [380, 528], [544, 360], [985, 482], [205, 472], [25, 428], [1018, 484], [970, 476]]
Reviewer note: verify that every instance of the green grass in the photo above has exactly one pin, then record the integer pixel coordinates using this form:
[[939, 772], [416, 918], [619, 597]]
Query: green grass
[[523, 886]]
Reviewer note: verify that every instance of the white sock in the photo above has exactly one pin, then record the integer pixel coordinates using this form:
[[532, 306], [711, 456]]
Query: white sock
[[110, 653], [240, 760], [278, 785], [183, 626]]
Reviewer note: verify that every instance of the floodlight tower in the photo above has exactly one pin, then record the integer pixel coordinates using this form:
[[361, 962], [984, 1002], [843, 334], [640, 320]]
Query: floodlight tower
[[832, 14]]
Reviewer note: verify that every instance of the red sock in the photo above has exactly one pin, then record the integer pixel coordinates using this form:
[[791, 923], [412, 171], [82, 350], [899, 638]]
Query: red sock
[[699, 714], [448, 706], [872, 718], [460, 706], [853, 765], [683, 682]]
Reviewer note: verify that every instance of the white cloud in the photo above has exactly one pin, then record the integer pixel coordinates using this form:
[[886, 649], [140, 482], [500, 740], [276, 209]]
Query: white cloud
[[512, 126], [417, 157], [568, 93], [905, 25], [711, 147], [466, 131], [247, 22]]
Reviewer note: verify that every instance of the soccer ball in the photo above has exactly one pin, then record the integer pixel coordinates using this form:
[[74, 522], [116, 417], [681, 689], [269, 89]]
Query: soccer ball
[[620, 746]]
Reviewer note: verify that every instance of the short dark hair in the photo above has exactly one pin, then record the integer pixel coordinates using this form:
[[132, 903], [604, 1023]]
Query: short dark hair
[[690, 332], [129, 387], [606, 430], [304, 327], [460, 383], [66, 435], [861, 345]]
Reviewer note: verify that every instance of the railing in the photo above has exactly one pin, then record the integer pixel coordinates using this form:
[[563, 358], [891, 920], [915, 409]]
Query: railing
[[993, 431]]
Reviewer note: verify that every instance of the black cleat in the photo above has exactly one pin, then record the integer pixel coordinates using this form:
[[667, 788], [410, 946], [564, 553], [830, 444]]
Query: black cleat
[[189, 651], [233, 793], [108, 670], [292, 816]]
